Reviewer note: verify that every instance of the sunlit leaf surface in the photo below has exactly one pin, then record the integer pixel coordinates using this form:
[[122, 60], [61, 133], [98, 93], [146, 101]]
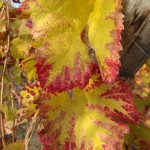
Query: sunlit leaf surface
[[93, 118], [62, 59]]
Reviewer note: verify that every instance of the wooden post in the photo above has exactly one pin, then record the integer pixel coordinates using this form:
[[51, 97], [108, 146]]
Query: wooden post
[[135, 37]]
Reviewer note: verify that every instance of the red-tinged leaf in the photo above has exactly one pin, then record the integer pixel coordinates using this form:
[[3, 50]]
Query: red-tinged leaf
[[63, 54], [62, 59], [105, 25], [28, 96], [93, 118], [66, 67]]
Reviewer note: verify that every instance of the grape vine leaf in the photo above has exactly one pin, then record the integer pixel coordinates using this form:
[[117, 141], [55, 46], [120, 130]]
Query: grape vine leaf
[[19, 48], [62, 59], [16, 74], [93, 118], [24, 31], [105, 25], [29, 96], [28, 67], [139, 134], [65, 65], [10, 113], [58, 18]]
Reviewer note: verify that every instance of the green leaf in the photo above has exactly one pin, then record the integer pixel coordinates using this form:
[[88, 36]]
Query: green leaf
[[19, 48], [15, 25], [16, 74], [147, 101], [14, 146], [139, 102], [4, 108], [10, 113], [139, 136], [28, 67]]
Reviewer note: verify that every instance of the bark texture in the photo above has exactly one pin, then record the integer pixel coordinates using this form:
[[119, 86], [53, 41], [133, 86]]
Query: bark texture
[[135, 37]]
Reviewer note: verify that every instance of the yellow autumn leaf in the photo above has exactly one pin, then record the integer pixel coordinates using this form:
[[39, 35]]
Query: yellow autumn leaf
[[105, 25]]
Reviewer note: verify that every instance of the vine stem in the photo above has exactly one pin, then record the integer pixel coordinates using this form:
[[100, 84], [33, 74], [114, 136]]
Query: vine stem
[[3, 75], [33, 124], [1, 102], [12, 105]]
